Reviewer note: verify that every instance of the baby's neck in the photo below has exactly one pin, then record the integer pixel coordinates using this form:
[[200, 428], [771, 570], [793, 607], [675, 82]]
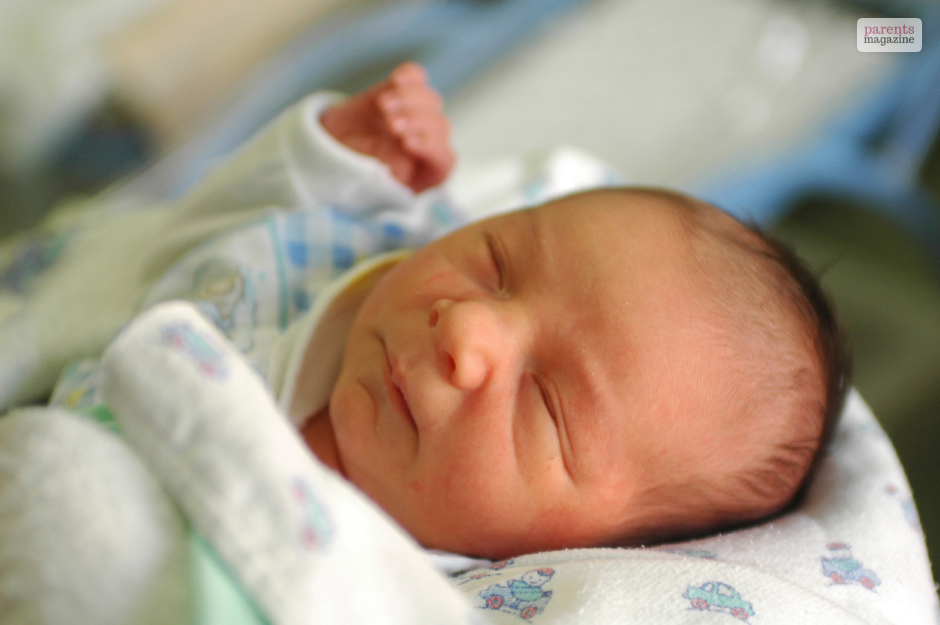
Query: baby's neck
[[317, 433]]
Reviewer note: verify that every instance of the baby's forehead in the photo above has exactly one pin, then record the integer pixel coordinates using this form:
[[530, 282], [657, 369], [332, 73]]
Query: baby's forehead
[[622, 234], [617, 218], [617, 251], [664, 208], [711, 247]]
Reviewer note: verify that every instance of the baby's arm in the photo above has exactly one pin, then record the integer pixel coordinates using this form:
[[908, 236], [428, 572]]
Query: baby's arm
[[400, 122]]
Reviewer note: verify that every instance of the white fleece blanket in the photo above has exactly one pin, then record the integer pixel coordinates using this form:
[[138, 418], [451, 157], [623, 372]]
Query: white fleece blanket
[[305, 547]]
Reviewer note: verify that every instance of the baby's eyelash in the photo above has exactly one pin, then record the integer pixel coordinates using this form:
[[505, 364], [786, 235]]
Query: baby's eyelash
[[497, 260], [547, 400], [560, 427]]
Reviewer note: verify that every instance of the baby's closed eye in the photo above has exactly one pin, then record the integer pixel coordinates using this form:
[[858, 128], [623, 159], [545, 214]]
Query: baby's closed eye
[[497, 263]]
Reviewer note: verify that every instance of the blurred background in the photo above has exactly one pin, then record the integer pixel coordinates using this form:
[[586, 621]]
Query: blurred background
[[764, 106]]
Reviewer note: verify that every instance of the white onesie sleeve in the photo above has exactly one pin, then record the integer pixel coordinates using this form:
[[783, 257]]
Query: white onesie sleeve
[[294, 163]]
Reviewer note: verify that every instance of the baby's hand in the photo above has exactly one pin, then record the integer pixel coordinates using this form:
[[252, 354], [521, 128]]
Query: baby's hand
[[399, 121]]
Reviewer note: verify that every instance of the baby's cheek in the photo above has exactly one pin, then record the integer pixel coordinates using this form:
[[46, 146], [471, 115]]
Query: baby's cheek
[[469, 490], [352, 410], [473, 517]]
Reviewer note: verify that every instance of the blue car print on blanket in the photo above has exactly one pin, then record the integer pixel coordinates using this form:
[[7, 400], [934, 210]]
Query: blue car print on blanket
[[842, 568], [522, 596], [719, 597]]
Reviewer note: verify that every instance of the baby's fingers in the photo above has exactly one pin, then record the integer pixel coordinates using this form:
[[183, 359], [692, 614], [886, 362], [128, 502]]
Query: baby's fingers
[[409, 124], [412, 112], [409, 73], [433, 154], [418, 135], [410, 101]]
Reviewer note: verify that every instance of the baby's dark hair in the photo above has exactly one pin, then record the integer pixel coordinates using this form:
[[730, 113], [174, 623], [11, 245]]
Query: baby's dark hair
[[805, 289], [769, 293]]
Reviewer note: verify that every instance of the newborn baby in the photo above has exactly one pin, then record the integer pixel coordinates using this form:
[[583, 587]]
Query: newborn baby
[[614, 367]]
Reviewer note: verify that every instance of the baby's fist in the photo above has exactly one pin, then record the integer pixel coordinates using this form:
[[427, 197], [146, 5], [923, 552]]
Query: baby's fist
[[401, 122]]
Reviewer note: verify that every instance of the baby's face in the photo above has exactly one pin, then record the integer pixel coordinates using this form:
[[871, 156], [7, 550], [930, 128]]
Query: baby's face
[[516, 385]]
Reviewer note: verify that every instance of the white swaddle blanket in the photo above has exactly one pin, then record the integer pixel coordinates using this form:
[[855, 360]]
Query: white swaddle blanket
[[308, 548]]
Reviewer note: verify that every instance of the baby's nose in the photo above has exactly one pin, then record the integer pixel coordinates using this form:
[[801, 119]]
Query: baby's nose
[[466, 341]]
